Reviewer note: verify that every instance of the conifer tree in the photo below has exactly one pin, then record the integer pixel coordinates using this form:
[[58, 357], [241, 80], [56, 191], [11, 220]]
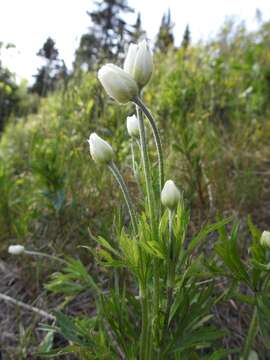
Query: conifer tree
[[165, 38], [138, 32], [106, 36], [9, 97], [186, 38], [50, 73]]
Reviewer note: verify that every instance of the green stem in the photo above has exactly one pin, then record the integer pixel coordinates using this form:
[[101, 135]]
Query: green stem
[[135, 172], [52, 257], [144, 331], [151, 207], [171, 250], [170, 276], [116, 173], [252, 331], [156, 134], [133, 158], [146, 168]]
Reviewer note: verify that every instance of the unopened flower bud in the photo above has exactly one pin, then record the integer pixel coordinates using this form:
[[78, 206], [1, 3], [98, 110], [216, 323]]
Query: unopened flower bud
[[100, 150], [130, 58], [139, 63], [16, 249], [265, 239], [133, 126], [118, 83], [170, 195]]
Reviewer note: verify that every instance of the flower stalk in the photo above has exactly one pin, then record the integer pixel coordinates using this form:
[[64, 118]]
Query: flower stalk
[[252, 331], [116, 173], [151, 206], [157, 139]]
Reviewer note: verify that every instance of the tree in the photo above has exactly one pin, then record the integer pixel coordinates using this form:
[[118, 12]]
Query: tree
[[138, 31], [9, 97], [50, 73], [165, 38], [107, 35], [186, 38]]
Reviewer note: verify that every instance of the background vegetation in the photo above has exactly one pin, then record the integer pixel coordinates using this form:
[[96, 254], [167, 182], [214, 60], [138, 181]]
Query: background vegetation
[[212, 104]]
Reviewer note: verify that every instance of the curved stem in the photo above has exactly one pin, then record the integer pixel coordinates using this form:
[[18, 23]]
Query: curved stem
[[116, 173], [251, 334], [52, 257], [156, 134], [146, 167]]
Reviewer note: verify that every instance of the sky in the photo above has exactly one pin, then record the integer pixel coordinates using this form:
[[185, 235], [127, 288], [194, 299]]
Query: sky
[[28, 23]]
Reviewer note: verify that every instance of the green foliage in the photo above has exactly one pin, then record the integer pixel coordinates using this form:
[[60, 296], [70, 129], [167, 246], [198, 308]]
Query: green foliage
[[212, 102]]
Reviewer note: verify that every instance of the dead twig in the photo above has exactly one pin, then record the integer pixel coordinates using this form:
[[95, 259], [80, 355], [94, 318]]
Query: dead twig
[[27, 307]]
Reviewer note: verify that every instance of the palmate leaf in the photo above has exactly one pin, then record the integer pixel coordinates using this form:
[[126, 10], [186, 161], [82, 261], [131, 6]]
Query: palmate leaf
[[104, 243], [57, 352], [73, 279], [199, 338], [199, 239], [73, 330], [227, 250], [74, 349], [80, 333], [220, 354], [129, 251], [120, 311], [186, 287], [154, 248], [204, 232], [263, 309]]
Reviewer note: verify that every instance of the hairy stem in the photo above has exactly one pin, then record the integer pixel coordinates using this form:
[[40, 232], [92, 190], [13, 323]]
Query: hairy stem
[[170, 275], [135, 172], [144, 343], [41, 254], [151, 207], [146, 168], [252, 331], [116, 173], [156, 134]]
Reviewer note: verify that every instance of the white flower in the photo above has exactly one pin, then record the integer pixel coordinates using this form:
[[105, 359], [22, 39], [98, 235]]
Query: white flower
[[133, 126], [130, 58], [265, 239], [16, 249], [118, 83], [170, 195], [100, 150], [139, 63]]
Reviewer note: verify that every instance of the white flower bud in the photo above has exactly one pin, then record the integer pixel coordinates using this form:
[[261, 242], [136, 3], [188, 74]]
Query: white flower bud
[[118, 83], [100, 150], [133, 126], [139, 63], [16, 249], [130, 58], [265, 239], [170, 195]]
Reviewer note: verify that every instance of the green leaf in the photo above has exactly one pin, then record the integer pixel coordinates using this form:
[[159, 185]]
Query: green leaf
[[200, 338]]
